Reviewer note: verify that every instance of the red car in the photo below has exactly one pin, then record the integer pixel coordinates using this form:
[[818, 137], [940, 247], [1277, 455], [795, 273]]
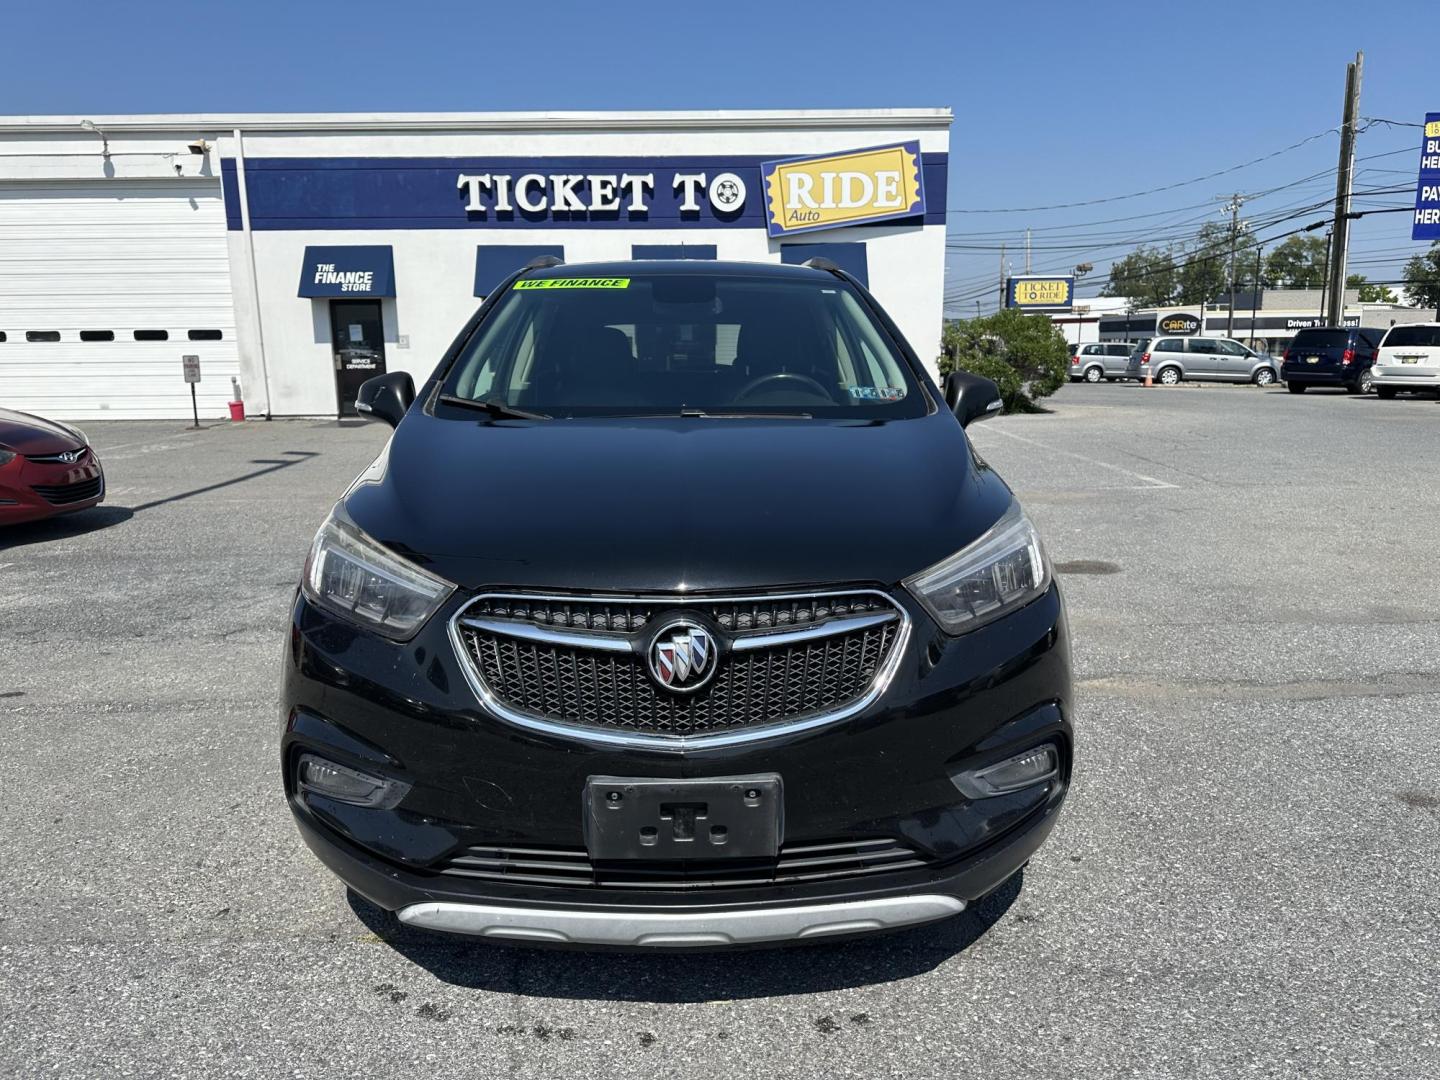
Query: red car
[[46, 469]]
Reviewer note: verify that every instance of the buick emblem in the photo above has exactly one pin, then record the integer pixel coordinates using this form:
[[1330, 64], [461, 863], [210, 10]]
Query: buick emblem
[[683, 657]]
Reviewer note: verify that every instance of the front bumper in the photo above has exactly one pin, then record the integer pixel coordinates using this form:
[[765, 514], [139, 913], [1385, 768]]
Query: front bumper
[[20, 501], [406, 711]]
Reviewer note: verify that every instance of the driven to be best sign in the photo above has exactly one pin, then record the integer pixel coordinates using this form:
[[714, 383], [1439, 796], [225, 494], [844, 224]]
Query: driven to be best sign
[[1427, 194]]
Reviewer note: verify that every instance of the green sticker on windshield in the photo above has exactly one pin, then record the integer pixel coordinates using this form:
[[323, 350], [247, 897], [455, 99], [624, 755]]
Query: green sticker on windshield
[[574, 283]]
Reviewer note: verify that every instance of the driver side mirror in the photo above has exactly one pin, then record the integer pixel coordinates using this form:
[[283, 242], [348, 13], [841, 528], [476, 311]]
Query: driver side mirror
[[386, 397], [972, 397]]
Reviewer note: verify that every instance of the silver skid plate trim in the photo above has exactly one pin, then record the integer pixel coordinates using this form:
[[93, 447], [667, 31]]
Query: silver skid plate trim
[[679, 930]]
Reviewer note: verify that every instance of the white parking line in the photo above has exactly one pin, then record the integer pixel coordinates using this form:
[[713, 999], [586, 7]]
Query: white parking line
[[1150, 481]]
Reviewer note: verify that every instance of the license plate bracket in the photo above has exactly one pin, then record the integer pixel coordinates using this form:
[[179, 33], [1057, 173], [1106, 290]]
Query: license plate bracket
[[723, 817]]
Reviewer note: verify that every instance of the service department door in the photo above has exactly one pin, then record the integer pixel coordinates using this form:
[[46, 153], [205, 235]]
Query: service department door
[[358, 334], [104, 286]]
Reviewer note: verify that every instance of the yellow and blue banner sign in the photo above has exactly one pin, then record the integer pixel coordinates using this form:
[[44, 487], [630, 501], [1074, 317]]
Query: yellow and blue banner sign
[[1047, 293], [1426, 223], [811, 193]]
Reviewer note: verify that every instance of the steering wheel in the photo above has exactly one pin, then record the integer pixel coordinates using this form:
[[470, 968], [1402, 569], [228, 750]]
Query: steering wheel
[[783, 376]]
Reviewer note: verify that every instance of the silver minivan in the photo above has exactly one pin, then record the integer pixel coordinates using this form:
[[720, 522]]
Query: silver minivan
[[1204, 359], [1100, 360]]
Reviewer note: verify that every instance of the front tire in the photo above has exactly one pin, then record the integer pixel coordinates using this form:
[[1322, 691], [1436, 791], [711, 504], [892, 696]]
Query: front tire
[[1385, 393], [1169, 376], [1264, 377], [1295, 387]]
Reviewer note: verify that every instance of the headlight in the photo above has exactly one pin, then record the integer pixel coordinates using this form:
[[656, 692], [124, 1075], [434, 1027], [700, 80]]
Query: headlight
[[6, 456], [1003, 570], [353, 576]]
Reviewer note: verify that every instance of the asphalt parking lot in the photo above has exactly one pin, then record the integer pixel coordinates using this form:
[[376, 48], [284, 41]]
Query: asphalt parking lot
[[1246, 881]]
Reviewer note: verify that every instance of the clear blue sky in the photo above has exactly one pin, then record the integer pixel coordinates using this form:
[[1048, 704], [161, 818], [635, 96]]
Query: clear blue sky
[[1054, 103]]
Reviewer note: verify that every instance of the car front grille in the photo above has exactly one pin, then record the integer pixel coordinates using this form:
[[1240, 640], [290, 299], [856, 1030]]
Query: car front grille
[[61, 494], [790, 658], [572, 866]]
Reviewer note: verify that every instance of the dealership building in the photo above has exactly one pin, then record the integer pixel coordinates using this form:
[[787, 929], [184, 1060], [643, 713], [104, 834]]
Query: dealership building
[[295, 256]]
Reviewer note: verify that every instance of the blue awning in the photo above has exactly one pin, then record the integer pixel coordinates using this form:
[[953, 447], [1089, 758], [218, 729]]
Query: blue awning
[[495, 262], [849, 257], [348, 271]]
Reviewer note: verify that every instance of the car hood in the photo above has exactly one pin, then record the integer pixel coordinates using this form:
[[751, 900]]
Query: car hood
[[676, 504], [26, 434]]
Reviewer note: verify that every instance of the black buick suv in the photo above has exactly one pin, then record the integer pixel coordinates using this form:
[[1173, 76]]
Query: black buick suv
[[678, 612]]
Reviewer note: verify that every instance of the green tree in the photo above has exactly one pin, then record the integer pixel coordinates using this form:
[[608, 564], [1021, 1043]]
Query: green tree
[[1026, 355], [1370, 293], [1205, 272], [1147, 276], [1298, 263], [1422, 278]]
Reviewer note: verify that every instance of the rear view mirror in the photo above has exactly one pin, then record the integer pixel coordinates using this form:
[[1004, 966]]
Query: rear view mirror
[[971, 397], [386, 397]]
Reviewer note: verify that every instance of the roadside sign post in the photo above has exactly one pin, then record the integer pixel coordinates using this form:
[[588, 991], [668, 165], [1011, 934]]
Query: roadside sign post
[[191, 365]]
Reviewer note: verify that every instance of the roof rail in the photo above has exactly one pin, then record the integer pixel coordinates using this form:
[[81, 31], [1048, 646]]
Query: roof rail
[[540, 262], [819, 262]]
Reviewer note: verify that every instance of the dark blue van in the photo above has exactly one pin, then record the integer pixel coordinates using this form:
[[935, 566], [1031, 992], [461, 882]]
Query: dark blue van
[[1331, 356]]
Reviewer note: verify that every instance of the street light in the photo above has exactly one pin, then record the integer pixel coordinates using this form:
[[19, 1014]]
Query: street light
[[89, 125]]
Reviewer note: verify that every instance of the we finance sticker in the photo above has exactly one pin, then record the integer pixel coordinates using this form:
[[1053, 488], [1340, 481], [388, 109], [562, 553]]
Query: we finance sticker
[[574, 283], [806, 194]]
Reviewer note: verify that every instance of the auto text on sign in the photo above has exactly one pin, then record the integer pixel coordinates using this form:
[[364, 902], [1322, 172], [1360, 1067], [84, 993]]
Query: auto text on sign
[[806, 194]]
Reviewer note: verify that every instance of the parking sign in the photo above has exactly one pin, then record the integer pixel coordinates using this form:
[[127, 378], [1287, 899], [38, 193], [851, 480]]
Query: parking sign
[[192, 368]]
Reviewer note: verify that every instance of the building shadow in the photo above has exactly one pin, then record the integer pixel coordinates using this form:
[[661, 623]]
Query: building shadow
[[64, 527], [682, 977]]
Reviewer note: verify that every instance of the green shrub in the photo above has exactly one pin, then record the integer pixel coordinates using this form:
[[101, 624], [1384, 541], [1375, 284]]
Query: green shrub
[[1026, 355]]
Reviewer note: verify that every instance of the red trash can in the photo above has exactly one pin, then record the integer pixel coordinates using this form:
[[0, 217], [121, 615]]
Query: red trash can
[[237, 410]]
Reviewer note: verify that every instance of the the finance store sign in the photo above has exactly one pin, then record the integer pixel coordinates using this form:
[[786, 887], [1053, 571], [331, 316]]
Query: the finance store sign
[[791, 195]]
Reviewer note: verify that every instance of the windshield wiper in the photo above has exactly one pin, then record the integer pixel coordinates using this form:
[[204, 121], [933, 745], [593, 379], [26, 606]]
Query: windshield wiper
[[741, 414], [494, 408]]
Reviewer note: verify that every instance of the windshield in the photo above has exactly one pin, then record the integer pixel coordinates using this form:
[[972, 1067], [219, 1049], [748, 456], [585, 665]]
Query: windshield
[[659, 344], [1321, 339], [1413, 335]]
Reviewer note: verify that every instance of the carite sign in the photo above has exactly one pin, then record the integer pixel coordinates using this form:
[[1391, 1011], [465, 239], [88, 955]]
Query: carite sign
[[811, 193], [1426, 225], [1179, 323], [1041, 293]]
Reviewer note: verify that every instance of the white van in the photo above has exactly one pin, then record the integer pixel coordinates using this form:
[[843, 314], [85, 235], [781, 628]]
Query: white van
[[1408, 359]]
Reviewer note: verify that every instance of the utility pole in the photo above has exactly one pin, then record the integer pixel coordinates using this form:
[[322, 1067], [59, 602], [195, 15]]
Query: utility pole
[[1002, 276], [1325, 273], [1340, 238], [1236, 201]]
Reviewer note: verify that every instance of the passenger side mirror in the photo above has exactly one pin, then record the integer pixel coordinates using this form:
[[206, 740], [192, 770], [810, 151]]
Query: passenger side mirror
[[386, 397], [971, 397]]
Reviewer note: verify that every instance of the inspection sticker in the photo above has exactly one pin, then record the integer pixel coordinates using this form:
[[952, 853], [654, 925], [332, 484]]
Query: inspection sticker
[[574, 283]]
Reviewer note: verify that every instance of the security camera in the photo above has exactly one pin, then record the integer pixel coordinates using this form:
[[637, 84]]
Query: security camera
[[199, 146]]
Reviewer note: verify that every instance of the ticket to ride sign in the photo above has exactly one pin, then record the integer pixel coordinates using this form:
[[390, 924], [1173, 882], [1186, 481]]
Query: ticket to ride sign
[[810, 193], [1041, 293], [1426, 225]]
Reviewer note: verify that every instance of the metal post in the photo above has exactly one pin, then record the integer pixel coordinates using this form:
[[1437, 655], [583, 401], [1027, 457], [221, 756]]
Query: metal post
[[194, 409], [1340, 241], [1255, 295], [1002, 277], [244, 197]]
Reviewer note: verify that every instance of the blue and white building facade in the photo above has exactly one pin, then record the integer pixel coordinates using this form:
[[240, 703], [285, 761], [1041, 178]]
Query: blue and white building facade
[[294, 254]]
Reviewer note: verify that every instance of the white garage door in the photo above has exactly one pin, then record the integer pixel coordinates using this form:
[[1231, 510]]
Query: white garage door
[[104, 287]]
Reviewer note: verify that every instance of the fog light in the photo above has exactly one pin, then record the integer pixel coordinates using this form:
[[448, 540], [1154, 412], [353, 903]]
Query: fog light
[[1021, 771], [343, 784]]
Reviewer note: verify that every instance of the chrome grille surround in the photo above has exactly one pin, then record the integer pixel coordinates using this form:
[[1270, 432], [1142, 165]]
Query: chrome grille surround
[[753, 625]]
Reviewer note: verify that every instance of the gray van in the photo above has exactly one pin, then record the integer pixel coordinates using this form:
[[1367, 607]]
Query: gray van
[[1206, 359], [1100, 360]]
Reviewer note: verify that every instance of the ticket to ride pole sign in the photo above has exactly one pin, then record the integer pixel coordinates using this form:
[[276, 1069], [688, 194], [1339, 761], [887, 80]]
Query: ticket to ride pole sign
[[828, 192]]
